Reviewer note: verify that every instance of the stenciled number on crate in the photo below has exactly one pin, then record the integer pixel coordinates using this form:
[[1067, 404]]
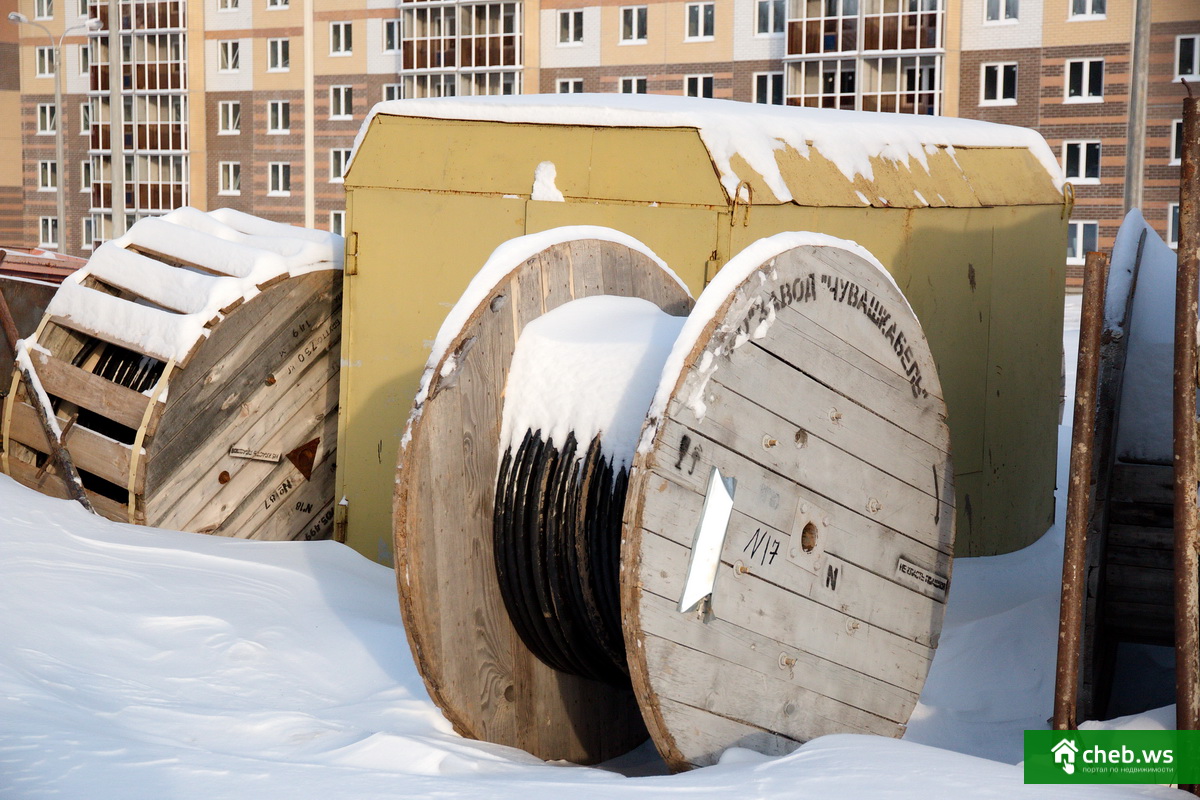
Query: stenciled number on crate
[[762, 546], [689, 455]]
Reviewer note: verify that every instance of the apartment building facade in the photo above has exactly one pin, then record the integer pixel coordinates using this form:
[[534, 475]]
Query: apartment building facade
[[254, 104]]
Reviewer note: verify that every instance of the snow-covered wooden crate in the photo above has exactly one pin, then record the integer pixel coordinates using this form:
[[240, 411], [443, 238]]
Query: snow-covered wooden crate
[[969, 217], [192, 368], [562, 559]]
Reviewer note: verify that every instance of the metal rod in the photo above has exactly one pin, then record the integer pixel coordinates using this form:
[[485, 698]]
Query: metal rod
[[1083, 433], [1187, 515]]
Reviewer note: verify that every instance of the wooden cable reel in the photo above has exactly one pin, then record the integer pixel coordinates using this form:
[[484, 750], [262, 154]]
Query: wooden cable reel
[[235, 439], [805, 378]]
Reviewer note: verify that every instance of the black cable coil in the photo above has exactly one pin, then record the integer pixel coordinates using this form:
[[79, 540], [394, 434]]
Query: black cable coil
[[557, 544]]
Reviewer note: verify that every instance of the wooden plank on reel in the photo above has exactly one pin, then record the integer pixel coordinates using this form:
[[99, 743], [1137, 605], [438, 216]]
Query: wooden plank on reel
[[813, 387]]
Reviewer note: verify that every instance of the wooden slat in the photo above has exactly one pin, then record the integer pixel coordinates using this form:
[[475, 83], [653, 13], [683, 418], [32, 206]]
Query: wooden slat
[[1142, 483], [694, 730], [99, 455], [50, 483], [90, 391], [193, 412]]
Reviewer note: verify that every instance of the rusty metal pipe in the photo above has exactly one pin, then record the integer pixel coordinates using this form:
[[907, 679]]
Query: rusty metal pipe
[[1187, 515], [1079, 493]]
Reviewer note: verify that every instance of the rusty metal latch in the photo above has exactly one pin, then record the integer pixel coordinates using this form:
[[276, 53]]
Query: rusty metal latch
[[737, 201]]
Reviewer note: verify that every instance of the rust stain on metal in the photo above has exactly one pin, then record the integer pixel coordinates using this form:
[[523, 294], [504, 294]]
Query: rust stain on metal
[[304, 456]]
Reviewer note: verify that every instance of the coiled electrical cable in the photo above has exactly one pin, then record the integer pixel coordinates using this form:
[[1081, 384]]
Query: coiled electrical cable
[[557, 544]]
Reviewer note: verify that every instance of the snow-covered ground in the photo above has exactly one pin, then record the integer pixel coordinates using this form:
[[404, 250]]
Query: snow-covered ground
[[138, 663]]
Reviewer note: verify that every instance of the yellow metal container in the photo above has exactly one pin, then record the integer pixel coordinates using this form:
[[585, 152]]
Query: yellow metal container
[[974, 234]]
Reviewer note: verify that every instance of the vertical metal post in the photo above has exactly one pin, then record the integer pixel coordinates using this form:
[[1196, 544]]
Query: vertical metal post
[[1079, 493], [1187, 515]]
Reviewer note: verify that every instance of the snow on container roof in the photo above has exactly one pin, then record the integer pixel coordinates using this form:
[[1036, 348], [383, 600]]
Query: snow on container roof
[[749, 135], [185, 268]]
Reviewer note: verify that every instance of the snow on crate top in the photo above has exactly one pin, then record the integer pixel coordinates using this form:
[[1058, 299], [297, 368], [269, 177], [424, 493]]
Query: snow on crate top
[[245, 252], [503, 260], [758, 257], [589, 366], [849, 139]]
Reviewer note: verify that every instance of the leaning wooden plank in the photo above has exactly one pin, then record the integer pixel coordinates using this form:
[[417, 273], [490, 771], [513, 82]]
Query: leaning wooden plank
[[1143, 483], [103, 457], [90, 391]]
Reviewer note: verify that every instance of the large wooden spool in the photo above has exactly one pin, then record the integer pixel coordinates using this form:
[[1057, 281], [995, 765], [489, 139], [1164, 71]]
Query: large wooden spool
[[235, 438], [805, 377]]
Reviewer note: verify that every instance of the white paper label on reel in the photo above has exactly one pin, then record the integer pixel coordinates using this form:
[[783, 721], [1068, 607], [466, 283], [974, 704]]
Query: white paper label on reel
[[709, 541]]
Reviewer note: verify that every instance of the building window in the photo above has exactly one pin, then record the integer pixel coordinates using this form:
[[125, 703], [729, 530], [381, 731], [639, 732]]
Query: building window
[[85, 175], [227, 5], [570, 27], [700, 21], [43, 9], [698, 85], [1176, 141], [279, 116], [47, 118], [1081, 161], [1087, 8], [998, 85], [1187, 57], [391, 35], [770, 17], [229, 117], [393, 91], [339, 159], [229, 178], [633, 85], [341, 39], [85, 58], [47, 176], [1085, 81], [341, 102], [230, 56], [1173, 224], [337, 222], [89, 233], [45, 62], [278, 55], [1001, 10], [633, 25], [279, 176], [570, 85], [85, 117], [48, 232], [1081, 240], [277, 3], [437, 85], [768, 88]]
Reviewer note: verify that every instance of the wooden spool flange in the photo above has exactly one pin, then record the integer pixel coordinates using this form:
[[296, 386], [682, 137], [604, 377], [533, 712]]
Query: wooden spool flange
[[475, 666], [238, 439], [812, 385], [804, 376]]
